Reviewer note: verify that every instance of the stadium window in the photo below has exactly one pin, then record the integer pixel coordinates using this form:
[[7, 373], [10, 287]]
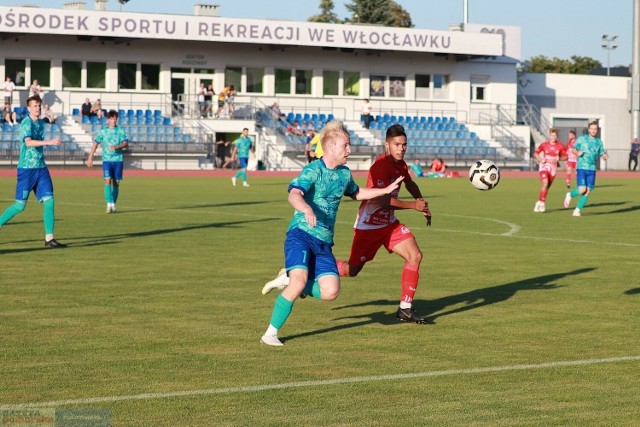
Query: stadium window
[[71, 74], [127, 75], [283, 80], [351, 83], [330, 83], [150, 76], [479, 88], [15, 68], [254, 79], [96, 75], [41, 71], [376, 86], [233, 76], [396, 87], [423, 86], [440, 86], [303, 82]]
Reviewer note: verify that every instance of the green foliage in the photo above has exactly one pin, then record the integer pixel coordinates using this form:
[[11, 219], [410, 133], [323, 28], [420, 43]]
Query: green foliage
[[123, 2], [387, 13], [164, 298], [326, 15], [576, 65]]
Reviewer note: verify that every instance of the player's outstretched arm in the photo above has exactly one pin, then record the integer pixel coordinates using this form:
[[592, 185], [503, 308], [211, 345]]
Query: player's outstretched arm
[[372, 193]]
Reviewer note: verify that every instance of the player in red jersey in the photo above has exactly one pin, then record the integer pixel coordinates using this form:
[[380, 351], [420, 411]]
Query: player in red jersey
[[548, 154], [571, 157], [376, 224]]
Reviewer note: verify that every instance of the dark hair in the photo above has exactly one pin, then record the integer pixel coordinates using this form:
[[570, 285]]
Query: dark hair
[[395, 130], [573, 132], [112, 113], [34, 98], [594, 122]]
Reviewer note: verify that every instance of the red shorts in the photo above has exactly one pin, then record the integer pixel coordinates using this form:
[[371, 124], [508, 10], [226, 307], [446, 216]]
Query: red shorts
[[548, 175], [367, 242], [571, 165]]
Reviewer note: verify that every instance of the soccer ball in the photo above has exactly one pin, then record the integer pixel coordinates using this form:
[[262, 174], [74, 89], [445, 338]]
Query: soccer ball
[[484, 175]]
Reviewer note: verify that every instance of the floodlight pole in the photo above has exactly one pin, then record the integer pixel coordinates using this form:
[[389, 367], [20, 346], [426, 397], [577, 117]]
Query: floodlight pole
[[609, 46], [635, 73]]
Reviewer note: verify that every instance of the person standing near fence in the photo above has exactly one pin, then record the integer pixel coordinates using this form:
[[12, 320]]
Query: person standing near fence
[[114, 140], [633, 154]]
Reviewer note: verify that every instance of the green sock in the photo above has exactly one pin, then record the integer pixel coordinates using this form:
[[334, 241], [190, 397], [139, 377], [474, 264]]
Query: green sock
[[114, 193], [281, 311], [49, 215], [11, 211], [243, 174], [108, 197], [582, 201], [575, 192], [313, 289]]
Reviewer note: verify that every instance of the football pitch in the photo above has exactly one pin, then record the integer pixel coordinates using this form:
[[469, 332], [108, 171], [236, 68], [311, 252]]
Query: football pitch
[[154, 314]]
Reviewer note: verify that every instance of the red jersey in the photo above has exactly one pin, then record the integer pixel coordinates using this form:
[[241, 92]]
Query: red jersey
[[552, 154], [371, 213], [570, 156]]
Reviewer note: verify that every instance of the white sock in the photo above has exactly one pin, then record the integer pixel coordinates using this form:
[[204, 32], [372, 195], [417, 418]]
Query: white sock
[[48, 237], [271, 330], [404, 305]]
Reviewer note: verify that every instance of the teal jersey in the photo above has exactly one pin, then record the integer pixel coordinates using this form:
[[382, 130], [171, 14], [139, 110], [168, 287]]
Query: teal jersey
[[243, 144], [592, 148], [31, 157], [108, 138], [417, 169], [323, 189]]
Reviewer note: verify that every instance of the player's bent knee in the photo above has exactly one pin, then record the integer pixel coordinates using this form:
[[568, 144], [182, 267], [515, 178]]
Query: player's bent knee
[[19, 206]]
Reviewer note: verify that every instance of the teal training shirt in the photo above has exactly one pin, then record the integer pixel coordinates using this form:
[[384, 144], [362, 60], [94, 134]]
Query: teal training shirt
[[592, 149], [243, 144], [109, 137], [323, 190], [31, 157]]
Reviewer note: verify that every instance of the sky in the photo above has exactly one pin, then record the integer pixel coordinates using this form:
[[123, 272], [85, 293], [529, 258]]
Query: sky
[[551, 28]]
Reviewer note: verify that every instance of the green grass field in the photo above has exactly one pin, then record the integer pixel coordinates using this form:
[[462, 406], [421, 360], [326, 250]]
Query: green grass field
[[155, 313]]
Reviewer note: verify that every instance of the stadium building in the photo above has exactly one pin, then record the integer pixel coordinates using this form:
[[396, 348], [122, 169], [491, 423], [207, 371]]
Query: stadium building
[[458, 92]]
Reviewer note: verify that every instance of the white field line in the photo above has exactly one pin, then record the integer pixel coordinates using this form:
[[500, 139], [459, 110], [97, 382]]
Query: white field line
[[321, 383]]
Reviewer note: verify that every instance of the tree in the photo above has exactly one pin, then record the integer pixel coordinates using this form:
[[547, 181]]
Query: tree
[[326, 15], [370, 12], [401, 18], [123, 2], [577, 65]]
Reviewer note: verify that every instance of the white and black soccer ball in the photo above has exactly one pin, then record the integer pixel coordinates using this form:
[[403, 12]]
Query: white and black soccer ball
[[484, 175]]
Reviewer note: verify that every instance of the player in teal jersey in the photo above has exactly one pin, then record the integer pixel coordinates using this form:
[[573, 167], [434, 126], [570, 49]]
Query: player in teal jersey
[[243, 145], [33, 174], [315, 195], [113, 139], [589, 149]]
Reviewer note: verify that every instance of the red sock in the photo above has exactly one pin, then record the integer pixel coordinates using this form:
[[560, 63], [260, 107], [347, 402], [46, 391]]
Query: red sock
[[410, 276], [343, 268], [543, 195]]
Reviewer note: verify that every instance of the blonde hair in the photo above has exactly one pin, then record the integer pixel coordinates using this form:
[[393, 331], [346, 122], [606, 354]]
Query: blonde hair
[[332, 131]]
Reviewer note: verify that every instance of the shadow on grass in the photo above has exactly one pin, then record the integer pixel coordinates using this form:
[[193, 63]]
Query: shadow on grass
[[203, 206], [472, 300], [633, 291], [616, 211], [115, 238]]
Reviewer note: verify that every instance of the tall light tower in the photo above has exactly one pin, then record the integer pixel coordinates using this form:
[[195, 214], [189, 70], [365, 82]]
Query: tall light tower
[[609, 46]]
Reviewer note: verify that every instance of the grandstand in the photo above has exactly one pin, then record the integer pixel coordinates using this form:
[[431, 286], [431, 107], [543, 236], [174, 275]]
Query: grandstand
[[457, 92]]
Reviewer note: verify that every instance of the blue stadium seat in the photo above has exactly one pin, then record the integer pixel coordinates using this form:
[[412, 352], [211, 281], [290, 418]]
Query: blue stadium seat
[[157, 113], [75, 112]]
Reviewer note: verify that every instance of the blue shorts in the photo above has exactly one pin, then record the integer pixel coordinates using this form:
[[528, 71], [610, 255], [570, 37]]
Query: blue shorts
[[36, 180], [112, 170], [301, 250], [586, 178], [243, 162]]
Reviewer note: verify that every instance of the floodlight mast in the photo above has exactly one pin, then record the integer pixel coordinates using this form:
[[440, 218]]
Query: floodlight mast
[[635, 73]]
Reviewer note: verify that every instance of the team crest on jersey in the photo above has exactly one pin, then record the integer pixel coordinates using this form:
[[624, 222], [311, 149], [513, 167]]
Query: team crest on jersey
[[405, 230], [380, 184]]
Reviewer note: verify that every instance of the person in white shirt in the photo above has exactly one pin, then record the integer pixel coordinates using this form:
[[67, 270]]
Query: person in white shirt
[[9, 87]]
